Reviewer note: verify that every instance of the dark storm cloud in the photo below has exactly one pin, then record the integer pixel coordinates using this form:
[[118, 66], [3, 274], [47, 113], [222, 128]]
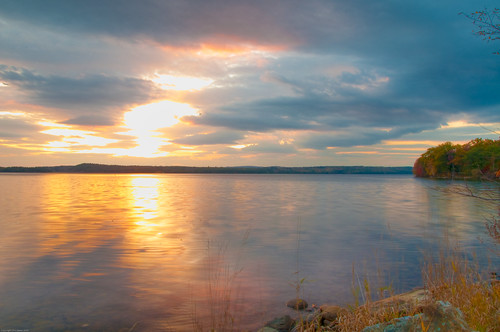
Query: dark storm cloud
[[371, 27], [173, 22], [357, 136], [323, 24], [319, 113], [83, 98], [220, 137]]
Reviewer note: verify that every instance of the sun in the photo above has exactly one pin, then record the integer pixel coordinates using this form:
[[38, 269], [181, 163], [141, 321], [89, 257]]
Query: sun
[[151, 117], [144, 121]]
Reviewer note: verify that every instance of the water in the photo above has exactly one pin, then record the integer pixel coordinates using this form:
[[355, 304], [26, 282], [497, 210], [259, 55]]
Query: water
[[167, 252]]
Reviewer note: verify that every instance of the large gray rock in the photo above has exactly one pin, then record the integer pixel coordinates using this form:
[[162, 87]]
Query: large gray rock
[[282, 324], [440, 316]]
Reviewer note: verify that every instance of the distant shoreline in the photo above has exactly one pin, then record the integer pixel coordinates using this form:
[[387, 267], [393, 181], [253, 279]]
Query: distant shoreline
[[133, 169]]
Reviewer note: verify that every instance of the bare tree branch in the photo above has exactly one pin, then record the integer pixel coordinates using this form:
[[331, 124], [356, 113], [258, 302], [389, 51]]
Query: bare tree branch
[[487, 23]]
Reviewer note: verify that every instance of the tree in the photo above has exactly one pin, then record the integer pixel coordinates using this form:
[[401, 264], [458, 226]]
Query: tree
[[479, 158], [487, 23]]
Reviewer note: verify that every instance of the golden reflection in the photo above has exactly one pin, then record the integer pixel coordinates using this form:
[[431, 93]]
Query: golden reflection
[[145, 194], [77, 214], [153, 217]]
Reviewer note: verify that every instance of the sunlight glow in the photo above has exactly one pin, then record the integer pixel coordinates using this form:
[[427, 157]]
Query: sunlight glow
[[71, 138], [66, 132], [357, 152], [144, 122], [374, 153], [150, 117], [13, 114], [389, 142], [180, 83], [407, 149], [234, 49], [241, 146], [52, 124], [458, 124]]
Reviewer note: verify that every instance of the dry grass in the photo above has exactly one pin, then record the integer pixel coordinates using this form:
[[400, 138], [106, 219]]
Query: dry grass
[[449, 278], [220, 286], [456, 280], [219, 310], [371, 313]]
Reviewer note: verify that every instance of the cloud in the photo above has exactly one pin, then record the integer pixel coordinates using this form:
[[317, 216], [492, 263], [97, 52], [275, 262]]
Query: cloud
[[322, 73], [16, 126], [360, 94], [356, 136], [178, 23], [89, 120], [219, 137], [84, 98], [269, 147], [318, 112]]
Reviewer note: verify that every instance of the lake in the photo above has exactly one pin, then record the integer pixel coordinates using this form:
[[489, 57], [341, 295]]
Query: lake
[[173, 252]]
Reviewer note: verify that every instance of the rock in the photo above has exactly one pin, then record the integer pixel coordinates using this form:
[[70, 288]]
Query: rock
[[267, 329], [330, 312], [297, 304], [440, 316], [308, 322], [413, 297], [400, 303], [282, 324]]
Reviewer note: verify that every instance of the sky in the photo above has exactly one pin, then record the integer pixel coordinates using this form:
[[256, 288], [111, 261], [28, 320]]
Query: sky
[[238, 83]]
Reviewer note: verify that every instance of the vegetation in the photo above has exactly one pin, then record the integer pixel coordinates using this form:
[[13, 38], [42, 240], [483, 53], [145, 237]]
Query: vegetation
[[480, 158], [450, 278], [123, 169], [460, 282]]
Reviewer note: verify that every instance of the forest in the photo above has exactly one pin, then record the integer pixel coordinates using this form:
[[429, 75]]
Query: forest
[[477, 159], [116, 169]]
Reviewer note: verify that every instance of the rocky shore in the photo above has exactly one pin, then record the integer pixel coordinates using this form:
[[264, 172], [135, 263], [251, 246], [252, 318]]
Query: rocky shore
[[411, 311]]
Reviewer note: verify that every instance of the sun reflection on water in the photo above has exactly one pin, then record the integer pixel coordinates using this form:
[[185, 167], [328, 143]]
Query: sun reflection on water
[[145, 194]]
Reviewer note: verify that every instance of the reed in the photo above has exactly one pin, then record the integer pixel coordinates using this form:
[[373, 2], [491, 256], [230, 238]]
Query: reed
[[217, 308], [219, 311], [458, 280]]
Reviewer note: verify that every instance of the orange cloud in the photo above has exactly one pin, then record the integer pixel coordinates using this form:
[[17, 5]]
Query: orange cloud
[[224, 47]]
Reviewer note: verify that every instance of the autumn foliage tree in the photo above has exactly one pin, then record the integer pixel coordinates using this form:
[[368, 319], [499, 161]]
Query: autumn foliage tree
[[479, 158]]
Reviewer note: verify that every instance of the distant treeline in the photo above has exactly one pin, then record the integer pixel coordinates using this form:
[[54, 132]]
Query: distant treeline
[[119, 169], [480, 158]]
